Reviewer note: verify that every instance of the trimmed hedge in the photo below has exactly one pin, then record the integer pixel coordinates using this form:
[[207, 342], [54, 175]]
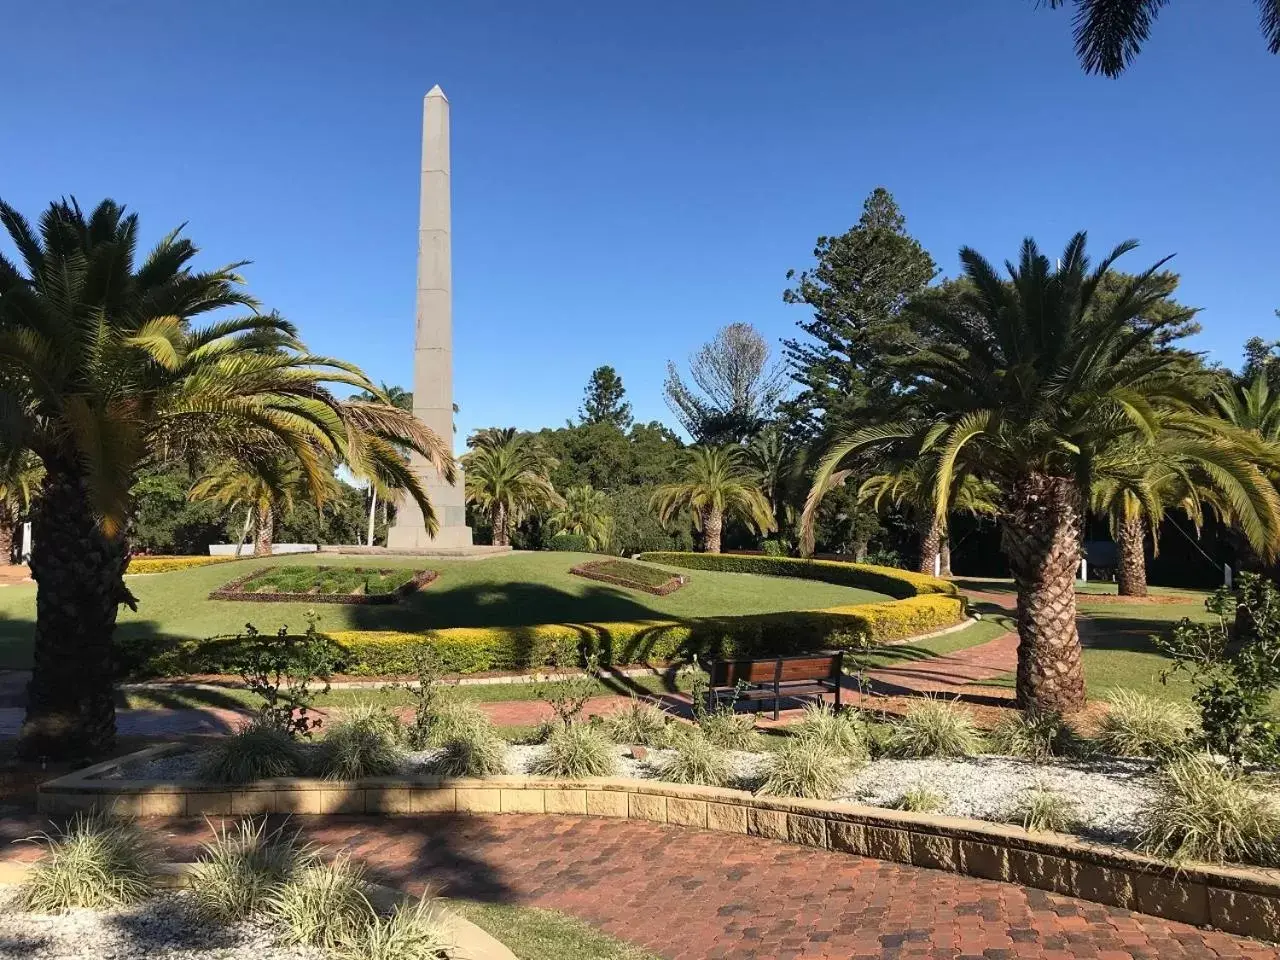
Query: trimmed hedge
[[371, 653], [890, 580], [170, 564], [570, 543]]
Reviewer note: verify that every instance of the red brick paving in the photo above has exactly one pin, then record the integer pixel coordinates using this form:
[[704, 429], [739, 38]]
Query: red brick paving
[[695, 895]]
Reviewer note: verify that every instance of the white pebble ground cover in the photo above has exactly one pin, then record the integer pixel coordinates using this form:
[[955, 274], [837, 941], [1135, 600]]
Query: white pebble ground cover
[[163, 928], [1108, 794]]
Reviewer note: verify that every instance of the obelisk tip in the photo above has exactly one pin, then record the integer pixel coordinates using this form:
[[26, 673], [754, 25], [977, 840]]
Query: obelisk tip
[[436, 92]]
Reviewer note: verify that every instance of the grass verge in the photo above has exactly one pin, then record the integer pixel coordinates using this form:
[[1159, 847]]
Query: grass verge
[[534, 934]]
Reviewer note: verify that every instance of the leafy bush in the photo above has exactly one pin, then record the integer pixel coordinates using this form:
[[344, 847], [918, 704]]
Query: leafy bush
[[280, 670], [362, 745], [1035, 736], [773, 547], [1234, 676], [1205, 812], [695, 760], [324, 905], [410, 933], [574, 752], [239, 873], [457, 720], [91, 862], [569, 543], [1140, 726], [934, 728], [427, 692], [919, 799], [1042, 809], [803, 768], [170, 564], [840, 732], [568, 695], [259, 750], [639, 722], [721, 725]]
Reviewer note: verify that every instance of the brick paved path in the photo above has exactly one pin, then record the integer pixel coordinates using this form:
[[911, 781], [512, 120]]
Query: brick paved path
[[691, 894]]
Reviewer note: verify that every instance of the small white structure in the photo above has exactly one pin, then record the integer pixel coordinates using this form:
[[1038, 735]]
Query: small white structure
[[277, 549]]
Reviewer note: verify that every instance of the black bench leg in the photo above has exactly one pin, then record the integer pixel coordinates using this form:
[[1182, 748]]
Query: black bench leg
[[838, 686], [777, 697]]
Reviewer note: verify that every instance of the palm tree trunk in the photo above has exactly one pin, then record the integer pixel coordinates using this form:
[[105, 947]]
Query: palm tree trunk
[[500, 538], [1131, 571], [712, 527], [860, 548], [244, 531], [930, 539], [944, 557], [7, 525], [1041, 537], [373, 512], [79, 572], [263, 535]]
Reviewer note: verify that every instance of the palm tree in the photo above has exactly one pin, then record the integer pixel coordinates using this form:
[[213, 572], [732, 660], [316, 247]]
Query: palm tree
[[779, 467], [715, 484], [507, 477], [20, 474], [1251, 406], [911, 487], [267, 485], [585, 512], [1137, 480], [1022, 381], [102, 368], [1110, 33]]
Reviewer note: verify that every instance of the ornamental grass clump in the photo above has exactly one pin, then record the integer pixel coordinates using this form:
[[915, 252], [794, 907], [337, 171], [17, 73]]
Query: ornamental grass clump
[[454, 720], [325, 905], [576, 751], [805, 769], [919, 799], [259, 750], [411, 933], [1206, 812], [1036, 736], [474, 753], [934, 728], [695, 760], [240, 872], [362, 745], [639, 722], [1042, 809], [92, 862], [1136, 725], [837, 731]]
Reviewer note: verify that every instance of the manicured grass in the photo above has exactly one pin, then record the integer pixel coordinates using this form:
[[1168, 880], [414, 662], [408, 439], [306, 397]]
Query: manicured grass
[[516, 589], [533, 934], [991, 626], [297, 578], [645, 574]]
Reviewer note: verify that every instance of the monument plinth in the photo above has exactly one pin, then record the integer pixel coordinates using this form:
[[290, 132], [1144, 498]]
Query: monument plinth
[[433, 343]]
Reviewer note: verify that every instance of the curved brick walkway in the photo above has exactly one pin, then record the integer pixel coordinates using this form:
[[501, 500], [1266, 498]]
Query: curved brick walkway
[[689, 894]]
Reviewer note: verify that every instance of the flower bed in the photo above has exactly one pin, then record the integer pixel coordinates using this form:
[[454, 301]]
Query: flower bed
[[347, 585], [144, 564], [634, 576]]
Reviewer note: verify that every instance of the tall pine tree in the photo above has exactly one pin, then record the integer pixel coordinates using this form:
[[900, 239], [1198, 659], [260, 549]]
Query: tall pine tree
[[603, 400]]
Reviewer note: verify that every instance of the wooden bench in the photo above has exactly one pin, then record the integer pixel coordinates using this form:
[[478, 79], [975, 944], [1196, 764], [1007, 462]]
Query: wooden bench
[[776, 678]]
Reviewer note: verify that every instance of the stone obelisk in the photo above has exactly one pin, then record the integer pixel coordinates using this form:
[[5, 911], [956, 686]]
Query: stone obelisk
[[433, 343]]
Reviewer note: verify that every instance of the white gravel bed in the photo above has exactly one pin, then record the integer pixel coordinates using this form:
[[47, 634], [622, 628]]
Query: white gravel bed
[[1109, 794], [163, 927]]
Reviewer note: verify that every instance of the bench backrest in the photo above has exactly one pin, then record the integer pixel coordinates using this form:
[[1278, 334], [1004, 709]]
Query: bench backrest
[[821, 666]]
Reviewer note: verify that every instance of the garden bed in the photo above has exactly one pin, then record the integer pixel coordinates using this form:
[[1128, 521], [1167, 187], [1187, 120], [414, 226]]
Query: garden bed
[[635, 576], [307, 584]]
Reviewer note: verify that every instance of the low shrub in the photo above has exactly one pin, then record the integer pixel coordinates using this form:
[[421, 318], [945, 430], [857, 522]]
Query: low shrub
[[639, 722], [728, 730], [803, 768], [325, 905], [91, 862], [453, 720], [411, 933], [841, 732], [473, 754], [240, 872], [1209, 813], [574, 752], [1036, 736], [933, 728], [1137, 725], [362, 745], [570, 543], [1043, 809], [773, 547], [919, 799], [695, 760], [259, 750], [170, 564]]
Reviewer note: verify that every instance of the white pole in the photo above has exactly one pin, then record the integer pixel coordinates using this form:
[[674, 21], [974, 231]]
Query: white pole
[[1084, 570], [937, 564], [373, 511], [1228, 579], [26, 542]]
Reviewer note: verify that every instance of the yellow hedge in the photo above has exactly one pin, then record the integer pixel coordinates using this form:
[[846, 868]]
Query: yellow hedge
[[890, 580], [170, 564], [475, 649]]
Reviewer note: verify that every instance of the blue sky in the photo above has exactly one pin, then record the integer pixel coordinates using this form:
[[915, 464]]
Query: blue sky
[[627, 180]]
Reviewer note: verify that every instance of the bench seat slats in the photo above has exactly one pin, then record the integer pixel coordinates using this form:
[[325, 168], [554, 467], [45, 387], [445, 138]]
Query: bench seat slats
[[776, 678]]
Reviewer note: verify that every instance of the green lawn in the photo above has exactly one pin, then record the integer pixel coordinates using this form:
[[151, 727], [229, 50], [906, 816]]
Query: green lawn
[[521, 588], [297, 578], [533, 934]]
